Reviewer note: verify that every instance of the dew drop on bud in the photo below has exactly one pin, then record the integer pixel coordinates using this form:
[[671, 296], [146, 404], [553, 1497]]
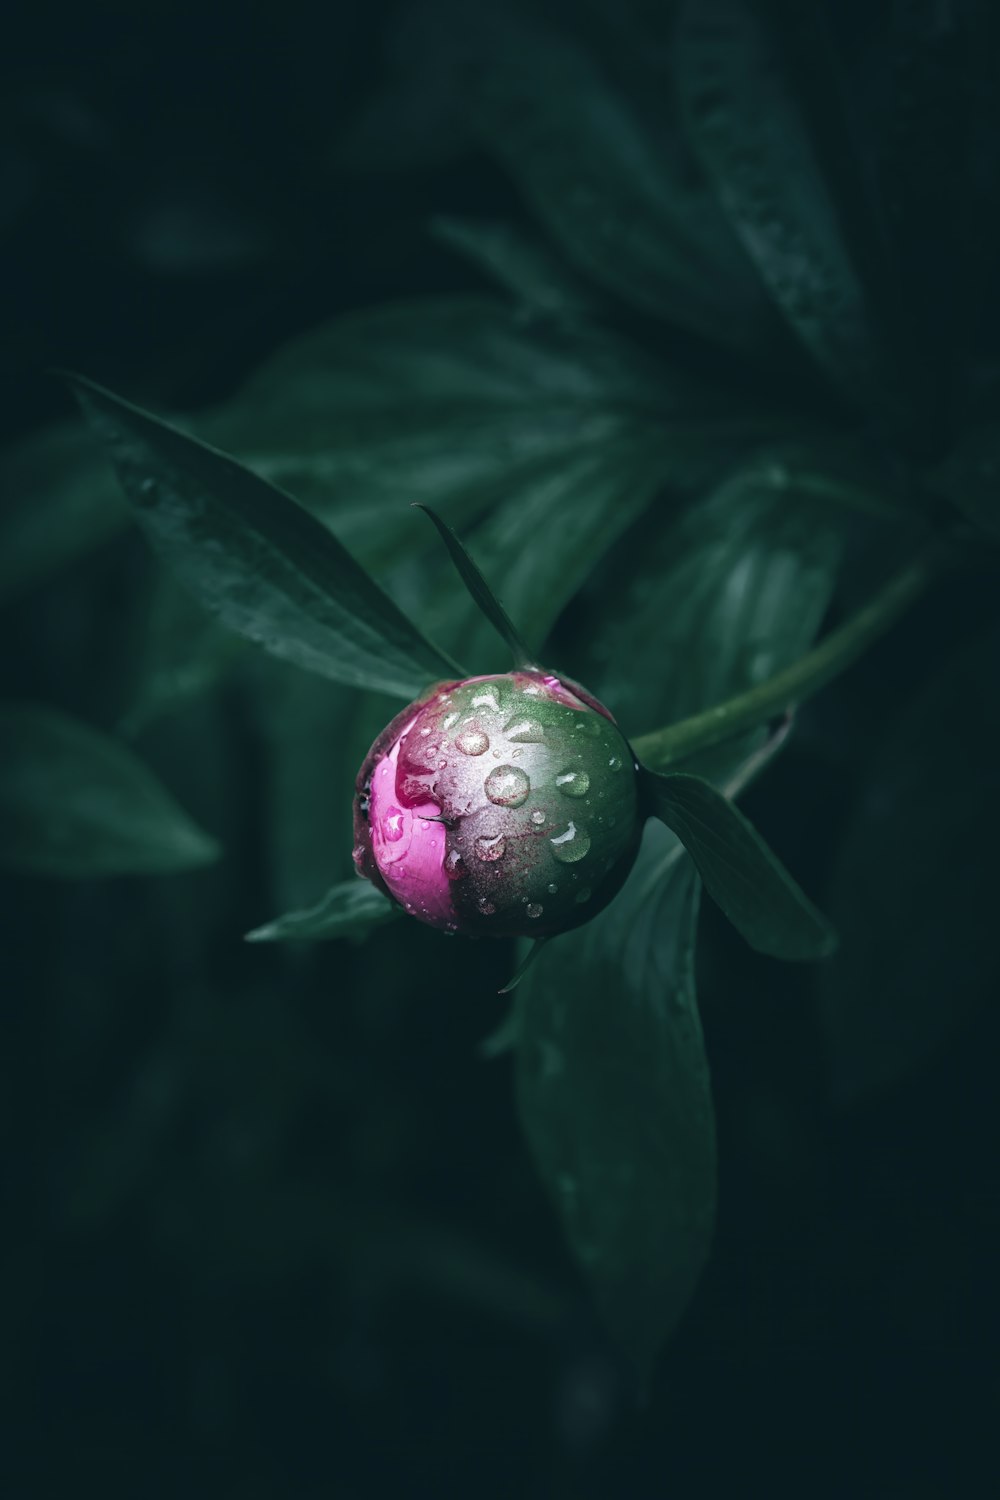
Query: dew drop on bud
[[507, 786], [490, 847], [571, 845], [392, 825], [587, 726], [487, 699], [533, 910], [538, 816], [525, 731], [552, 888], [573, 783], [615, 763], [454, 865], [583, 894], [472, 741]]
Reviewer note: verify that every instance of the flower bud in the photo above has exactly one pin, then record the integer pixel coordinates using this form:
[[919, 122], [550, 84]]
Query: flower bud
[[502, 805]]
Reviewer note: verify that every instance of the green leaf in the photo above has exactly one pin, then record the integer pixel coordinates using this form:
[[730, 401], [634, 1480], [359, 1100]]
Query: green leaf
[[59, 501], [713, 598], [74, 802], [913, 892], [353, 909], [257, 559], [615, 1100], [605, 169], [970, 477], [534, 278], [745, 124], [740, 872], [480, 591]]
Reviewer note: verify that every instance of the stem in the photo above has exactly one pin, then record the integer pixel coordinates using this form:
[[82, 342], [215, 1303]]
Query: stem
[[784, 691]]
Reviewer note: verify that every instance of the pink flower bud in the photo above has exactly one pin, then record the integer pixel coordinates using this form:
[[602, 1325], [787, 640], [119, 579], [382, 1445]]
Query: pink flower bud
[[502, 805]]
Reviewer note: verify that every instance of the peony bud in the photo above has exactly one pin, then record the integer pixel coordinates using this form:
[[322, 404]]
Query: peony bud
[[502, 805]]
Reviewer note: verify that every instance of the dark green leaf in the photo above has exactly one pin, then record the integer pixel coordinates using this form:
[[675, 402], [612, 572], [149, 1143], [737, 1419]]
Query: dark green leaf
[[257, 559], [614, 1097], [74, 802], [608, 173], [970, 477], [58, 501], [714, 599], [536, 279], [352, 909], [480, 591], [740, 872], [913, 892], [745, 124]]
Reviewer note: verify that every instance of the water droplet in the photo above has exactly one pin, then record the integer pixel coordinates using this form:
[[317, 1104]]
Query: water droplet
[[570, 845], [552, 888], [587, 725], [454, 865], [583, 894], [525, 731], [392, 825], [615, 763], [490, 846], [534, 910], [425, 731], [487, 699], [472, 741], [573, 783], [486, 907], [442, 763], [507, 786], [516, 754], [450, 721], [537, 815]]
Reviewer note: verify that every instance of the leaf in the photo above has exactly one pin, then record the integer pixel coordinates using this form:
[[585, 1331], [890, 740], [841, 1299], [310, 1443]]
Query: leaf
[[912, 890], [605, 169], [533, 277], [480, 591], [59, 501], [257, 559], [740, 872], [449, 402], [970, 477], [749, 134], [74, 802], [353, 909], [615, 1100], [714, 598]]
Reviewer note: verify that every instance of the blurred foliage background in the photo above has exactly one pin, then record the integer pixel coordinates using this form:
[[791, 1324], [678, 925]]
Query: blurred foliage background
[[271, 1226]]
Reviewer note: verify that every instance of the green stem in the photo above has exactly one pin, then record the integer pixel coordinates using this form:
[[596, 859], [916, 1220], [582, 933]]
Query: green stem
[[784, 691]]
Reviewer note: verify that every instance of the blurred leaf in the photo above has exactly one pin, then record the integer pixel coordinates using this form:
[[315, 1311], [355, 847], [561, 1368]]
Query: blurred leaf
[[750, 135], [257, 559], [915, 911], [970, 477], [740, 872], [352, 909], [614, 1097], [615, 183], [449, 401], [58, 500], [534, 277], [74, 802]]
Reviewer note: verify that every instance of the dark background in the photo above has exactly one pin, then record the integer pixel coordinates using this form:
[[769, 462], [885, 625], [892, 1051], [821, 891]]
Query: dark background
[[271, 1227]]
